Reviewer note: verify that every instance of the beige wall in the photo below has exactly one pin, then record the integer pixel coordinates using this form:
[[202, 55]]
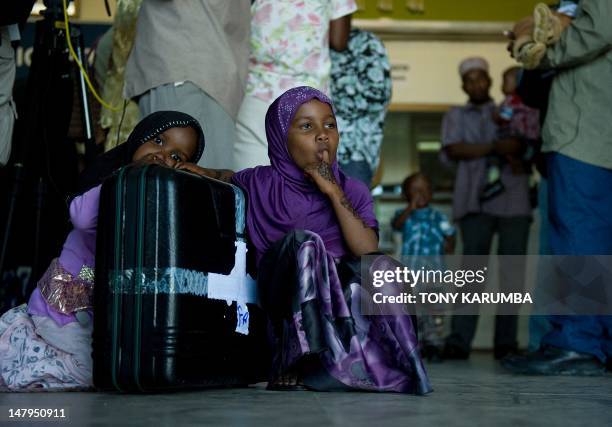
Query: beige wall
[[426, 79], [429, 69], [466, 10], [94, 11]]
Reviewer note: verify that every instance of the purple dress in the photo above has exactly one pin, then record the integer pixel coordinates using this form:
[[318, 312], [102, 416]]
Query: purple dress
[[310, 285], [59, 299], [313, 302]]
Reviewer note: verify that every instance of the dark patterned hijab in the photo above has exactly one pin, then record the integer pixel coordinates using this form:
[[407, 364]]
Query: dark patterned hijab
[[146, 129]]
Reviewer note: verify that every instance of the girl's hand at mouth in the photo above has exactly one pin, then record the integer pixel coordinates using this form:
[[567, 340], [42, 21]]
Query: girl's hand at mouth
[[322, 175]]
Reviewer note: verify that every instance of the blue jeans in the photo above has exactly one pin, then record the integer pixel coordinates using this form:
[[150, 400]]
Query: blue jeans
[[580, 202], [539, 325]]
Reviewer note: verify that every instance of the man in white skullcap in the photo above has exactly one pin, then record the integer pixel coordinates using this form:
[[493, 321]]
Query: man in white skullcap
[[469, 139], [473, 63]]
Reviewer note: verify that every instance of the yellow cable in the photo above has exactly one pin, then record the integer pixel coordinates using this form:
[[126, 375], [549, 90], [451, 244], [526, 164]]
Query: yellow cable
[[76, 59]]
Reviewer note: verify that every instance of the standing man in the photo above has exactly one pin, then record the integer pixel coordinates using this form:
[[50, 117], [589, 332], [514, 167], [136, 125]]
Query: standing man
[[577, 137], [192, 56], [485, 204]]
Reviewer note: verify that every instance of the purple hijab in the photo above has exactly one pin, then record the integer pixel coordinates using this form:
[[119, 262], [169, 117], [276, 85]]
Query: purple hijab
[[281, 199]]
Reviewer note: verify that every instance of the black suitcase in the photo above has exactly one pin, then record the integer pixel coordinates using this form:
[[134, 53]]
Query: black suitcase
[[162, 235]]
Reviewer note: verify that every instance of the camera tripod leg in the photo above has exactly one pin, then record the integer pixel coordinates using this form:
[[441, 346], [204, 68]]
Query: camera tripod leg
[[90, 143], [11, 211]]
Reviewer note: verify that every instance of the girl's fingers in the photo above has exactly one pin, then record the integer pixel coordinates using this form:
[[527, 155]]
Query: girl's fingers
[[326, 156]]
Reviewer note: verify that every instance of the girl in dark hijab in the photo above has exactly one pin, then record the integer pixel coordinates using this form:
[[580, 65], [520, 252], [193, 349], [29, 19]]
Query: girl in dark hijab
[[46, 343], [149, 130]]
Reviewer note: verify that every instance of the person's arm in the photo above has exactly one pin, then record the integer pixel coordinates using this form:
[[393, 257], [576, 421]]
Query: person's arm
[[224, 175], [454, 146], [399, 221], [84, 209], [339, 30], [466, 151], [449, 244], [588, 36], [448, 231], [503, 147], [359, 237]]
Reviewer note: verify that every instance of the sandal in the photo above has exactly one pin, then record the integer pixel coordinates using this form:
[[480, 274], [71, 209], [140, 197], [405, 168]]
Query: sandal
[[530, 55], [547, 27], [287, 382]]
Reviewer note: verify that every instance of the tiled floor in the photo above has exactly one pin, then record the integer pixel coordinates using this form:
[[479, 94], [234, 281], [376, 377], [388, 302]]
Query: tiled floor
[[471, 393]]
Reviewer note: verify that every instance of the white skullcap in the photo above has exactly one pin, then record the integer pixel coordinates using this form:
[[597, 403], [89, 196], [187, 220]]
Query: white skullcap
[[474, 63]]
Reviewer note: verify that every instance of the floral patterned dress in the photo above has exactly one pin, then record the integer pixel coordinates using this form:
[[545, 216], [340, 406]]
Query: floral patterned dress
[[290, 45], [361, 91]]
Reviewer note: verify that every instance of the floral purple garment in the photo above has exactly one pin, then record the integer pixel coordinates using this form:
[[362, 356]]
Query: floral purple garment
[[374, 353], [42, 347], [38, 354]]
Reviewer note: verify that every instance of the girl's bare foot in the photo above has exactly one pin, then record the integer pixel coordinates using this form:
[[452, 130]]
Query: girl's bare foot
[[287, 382]]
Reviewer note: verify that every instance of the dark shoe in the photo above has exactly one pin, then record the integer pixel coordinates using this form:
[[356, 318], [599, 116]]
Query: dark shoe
[[455, 352], [432, 353], [503, 351], [554, 361]]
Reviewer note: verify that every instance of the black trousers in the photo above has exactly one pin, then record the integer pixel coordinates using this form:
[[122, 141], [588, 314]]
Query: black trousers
[[477, 231]]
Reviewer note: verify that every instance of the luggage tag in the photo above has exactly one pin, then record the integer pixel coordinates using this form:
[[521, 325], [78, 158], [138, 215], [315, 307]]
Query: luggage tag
[[238, 285], [242, 318]]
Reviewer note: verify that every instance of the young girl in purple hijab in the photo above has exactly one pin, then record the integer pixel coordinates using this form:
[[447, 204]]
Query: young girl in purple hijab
[[47, 343], [309, 224]]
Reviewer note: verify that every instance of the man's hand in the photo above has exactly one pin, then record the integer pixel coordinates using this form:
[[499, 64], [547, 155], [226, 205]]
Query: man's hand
[[524, 28], [565, 20], [521, 34]]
